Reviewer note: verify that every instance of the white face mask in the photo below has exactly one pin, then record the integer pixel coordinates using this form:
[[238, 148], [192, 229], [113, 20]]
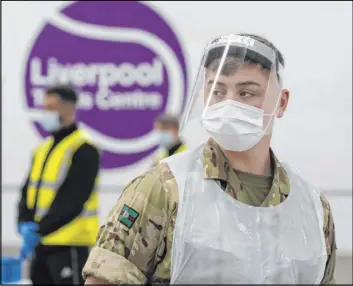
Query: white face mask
[[233, 125], [50, 121], [166, 139]]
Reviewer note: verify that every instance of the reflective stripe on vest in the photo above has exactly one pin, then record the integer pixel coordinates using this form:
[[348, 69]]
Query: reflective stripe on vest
[[83, 229]]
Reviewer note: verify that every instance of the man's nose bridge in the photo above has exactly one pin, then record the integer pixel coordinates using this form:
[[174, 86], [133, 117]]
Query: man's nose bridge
[[232, 94]]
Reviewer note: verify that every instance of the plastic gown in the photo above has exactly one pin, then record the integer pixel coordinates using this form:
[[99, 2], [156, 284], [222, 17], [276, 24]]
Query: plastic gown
[[219, 240]]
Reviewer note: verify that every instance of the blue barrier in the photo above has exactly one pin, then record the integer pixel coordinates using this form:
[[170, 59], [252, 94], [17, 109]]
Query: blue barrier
[[11, 270]]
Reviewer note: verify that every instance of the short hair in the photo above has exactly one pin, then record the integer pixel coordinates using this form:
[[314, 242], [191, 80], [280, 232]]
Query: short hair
[[230, 65], [232, 62], [168, 120], [65, 92]]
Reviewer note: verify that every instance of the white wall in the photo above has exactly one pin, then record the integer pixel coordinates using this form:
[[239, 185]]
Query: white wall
[[315, 135]]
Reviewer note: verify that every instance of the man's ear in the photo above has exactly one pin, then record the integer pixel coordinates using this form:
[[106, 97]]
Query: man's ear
[[283, 103]]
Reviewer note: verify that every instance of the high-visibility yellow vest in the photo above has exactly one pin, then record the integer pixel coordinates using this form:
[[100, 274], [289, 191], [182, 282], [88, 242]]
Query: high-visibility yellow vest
[[83, 230], [163, 153]]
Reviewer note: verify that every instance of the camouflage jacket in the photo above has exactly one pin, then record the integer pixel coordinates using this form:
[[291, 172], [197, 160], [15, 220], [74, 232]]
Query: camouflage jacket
[[134, 244]]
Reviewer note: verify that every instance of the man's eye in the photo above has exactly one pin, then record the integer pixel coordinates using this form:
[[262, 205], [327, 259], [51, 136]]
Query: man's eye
[[217, 93], [246, 94]]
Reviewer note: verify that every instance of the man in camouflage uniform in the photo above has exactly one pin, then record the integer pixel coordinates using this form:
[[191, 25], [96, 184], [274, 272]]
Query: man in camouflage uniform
[[135, 244]]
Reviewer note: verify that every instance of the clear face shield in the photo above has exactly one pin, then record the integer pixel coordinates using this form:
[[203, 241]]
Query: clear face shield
[[236, 95]]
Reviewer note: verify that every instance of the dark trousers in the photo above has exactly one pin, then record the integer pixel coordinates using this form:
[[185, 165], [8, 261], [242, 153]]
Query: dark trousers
[[58, 265]]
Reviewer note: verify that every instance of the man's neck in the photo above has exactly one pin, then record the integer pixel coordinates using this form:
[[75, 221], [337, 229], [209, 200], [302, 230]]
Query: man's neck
[[68, 122], [172, 149], [255, 161], [64, 131]]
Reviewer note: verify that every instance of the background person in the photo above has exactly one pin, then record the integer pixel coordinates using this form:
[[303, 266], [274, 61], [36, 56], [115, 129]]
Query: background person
[[169, 141], [57, 212]]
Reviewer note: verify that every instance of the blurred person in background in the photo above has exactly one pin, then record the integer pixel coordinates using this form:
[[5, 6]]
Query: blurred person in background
[[228, 211], [169, 141], [57, 212]]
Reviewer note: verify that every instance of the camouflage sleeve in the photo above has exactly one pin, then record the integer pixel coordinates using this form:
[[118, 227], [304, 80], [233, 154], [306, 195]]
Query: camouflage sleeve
[[127, 243], [329, 230]]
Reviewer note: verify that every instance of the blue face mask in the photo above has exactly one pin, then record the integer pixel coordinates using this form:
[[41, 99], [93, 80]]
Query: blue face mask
[[50, 121], [166, 139]]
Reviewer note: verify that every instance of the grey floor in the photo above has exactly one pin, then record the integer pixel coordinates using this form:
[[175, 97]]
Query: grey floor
[[343, 267]]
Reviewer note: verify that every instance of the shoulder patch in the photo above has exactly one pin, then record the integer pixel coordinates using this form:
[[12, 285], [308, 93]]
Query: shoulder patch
[[128, 216]]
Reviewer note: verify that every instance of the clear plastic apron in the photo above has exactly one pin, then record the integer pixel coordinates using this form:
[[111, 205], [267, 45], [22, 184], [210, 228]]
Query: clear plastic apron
[[219, 240]]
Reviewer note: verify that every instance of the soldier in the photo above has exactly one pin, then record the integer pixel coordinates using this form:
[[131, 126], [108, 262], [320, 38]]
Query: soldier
[[227, 212]]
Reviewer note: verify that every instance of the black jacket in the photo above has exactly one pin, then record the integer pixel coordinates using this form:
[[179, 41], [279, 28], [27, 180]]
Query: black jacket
[[73, 193]]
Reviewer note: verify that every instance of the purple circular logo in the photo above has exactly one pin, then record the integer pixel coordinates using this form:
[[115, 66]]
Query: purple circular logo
[[127, 66]]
